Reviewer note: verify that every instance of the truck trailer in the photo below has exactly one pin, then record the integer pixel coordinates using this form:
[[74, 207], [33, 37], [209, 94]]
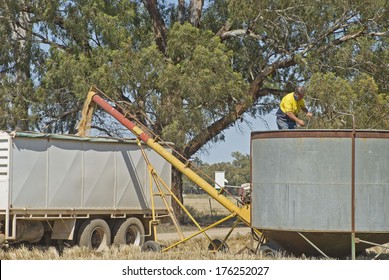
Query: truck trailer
[[87, 191]]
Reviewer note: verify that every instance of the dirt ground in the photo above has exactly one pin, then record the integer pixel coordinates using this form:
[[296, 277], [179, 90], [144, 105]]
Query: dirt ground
[[213, 233]]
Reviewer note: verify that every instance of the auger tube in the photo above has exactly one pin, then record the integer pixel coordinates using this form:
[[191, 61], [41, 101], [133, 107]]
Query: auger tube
[[243, 212]]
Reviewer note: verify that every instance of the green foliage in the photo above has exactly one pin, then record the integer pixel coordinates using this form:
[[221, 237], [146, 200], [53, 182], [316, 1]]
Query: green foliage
[[197, 85], [17, 94], [97, 39], [77, 44], [340, 99]]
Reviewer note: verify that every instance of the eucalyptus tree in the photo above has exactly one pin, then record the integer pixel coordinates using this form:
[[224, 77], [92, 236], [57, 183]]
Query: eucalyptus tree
[[187, 70]]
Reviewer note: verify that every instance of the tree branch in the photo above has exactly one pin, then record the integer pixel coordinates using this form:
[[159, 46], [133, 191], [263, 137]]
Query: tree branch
[[159, 26], [44, 40], [239, 32], [64, 115], [349, 37], [106, 131], [181, 11], [255, 92]]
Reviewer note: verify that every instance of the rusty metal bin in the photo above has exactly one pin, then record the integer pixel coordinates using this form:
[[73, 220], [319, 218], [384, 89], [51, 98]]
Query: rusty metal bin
[[312, 188]]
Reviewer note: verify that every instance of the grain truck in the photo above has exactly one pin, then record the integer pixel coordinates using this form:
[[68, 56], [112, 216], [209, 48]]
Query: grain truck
[[86, 191]]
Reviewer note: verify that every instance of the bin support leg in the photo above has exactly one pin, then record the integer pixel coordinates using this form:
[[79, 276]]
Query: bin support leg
[[313, 245]]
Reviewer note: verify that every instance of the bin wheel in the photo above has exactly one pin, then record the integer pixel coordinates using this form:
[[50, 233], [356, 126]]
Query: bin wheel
[[218, 245], [129, 232], [151, 246], [94, 234], [267, 251]]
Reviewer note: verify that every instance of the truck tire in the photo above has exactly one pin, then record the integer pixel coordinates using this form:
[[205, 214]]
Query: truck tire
[[129, 232], [94, 234]]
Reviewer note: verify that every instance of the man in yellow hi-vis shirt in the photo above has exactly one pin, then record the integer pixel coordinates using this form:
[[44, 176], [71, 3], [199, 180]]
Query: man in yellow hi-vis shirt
[[291, 104]]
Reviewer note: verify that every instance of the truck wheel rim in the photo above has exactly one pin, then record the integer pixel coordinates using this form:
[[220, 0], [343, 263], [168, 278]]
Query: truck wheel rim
[[98, 237], [133, 235]]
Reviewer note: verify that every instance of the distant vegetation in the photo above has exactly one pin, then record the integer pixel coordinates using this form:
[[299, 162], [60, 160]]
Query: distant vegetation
[[237, 172]]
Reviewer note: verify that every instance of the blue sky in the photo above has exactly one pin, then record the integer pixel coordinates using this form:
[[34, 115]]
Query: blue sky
[[237, 140]]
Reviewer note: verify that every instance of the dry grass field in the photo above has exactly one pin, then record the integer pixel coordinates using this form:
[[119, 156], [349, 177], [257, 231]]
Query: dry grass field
[[205, 211], [194, 249]]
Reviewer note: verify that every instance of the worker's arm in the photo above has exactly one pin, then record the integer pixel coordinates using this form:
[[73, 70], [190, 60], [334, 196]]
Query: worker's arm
[[296, 119], [305, 110]]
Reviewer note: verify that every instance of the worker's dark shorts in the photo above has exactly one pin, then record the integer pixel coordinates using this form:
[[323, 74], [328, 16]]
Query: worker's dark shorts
[[283, 121]]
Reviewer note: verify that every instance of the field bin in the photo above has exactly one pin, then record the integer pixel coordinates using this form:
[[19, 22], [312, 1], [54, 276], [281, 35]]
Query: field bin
[[321, 191]]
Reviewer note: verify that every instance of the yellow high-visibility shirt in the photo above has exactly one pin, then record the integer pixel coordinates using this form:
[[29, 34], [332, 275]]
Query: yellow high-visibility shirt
[[289, 104]]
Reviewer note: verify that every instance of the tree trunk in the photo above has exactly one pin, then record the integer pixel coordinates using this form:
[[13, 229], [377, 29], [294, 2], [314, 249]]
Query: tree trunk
[[177, 191], [181, 11], [21, 38], [159, 26], [195, 8]]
